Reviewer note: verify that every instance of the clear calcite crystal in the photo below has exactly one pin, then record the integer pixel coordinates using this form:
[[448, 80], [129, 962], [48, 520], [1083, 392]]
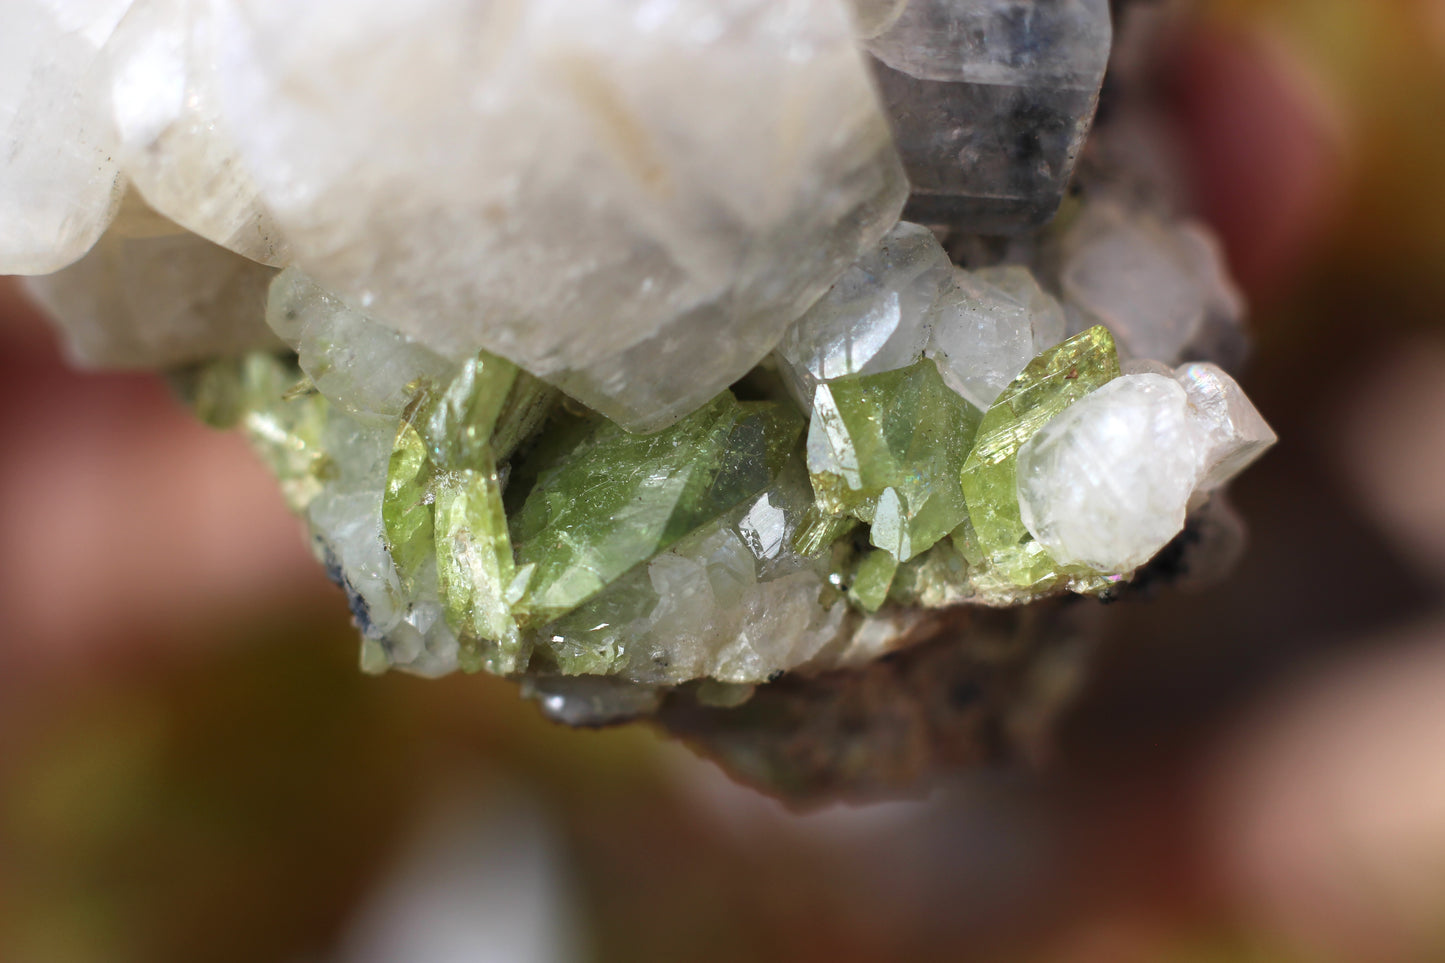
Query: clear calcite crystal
[[589, 190], [877, 317], [887, 449], [1051, 383], [160, 301], [990, 101], [171, 139], [1233, 432], [983, 335], [1105, 484], [59, 182], [1157, 285]]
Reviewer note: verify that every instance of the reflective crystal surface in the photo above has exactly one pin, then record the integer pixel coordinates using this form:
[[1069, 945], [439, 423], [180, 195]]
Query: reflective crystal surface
[[1233, 432], [887, 449], [990, 101], [877, 317]]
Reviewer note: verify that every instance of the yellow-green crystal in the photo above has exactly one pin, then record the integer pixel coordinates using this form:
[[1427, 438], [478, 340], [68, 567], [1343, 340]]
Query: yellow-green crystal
[[406, 505], [872, 580], [616, 499], [887, 449], [475, 568], [1051, 382]]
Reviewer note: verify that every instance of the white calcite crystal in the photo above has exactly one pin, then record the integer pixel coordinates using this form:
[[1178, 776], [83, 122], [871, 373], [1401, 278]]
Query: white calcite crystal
[[983, 335], [877, 317], [1234, 432], [171, 140], [990, 101], [157, 301], [1106, 483], [1158, 285], [59, 181], [590, 190]]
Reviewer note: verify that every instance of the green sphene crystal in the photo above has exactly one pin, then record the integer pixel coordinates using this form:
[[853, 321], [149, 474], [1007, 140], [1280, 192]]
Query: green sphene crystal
[[888, 449], [280, 412], [476, 573], [614, 499], [406, 504], [872, 580], [1051, 382]]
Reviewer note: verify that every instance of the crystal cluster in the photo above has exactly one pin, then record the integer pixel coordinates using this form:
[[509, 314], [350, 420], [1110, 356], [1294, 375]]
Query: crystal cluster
[[587, 337]]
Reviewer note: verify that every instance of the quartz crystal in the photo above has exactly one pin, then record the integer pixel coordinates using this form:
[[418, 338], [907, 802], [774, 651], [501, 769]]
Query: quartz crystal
[[172, 140], [589, 190], [877, 317], [59, 182], [137, 302], [1105, 484], [887, 449], [1157, 285], [990, 101]]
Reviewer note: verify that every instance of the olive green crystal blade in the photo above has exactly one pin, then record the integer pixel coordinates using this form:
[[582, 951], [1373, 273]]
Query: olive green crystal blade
[[872, 580], [406, 505], [475, 568], [617, 499], [1051, 382], [888, 448]]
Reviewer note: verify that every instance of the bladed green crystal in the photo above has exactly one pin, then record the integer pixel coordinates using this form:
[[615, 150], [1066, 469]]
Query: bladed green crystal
[[888, 448], [1051, 382], [406, 505], [475, 568], [872, 580], [616, 499]]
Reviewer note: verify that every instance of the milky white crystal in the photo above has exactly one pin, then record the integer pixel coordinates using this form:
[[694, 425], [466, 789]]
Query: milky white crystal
[[59, 181], [171, 140], [877, 317], [872, 17], [1151, 282], [157, 301], [1106, 483], [1234, 432], [630, 198]]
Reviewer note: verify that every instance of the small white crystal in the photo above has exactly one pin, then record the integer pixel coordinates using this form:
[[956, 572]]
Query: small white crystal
[[875, 318], [630, 199], [1234, 432], [982, 338], [358, 363], [1106, 483], [1153, 284], [59, 181], [158, 301], [1047, 320], [173, 144]]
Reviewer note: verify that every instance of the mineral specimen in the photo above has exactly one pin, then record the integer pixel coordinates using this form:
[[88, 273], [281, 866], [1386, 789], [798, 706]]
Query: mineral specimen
[[990, 101], [597, 355]]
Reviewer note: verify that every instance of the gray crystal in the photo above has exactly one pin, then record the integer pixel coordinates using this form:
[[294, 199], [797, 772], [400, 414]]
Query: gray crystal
[[990, 101], [1157, 285]]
